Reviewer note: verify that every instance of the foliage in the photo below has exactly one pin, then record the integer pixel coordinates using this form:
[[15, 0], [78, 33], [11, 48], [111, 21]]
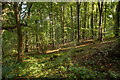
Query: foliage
[[86, 73], [61, 33]]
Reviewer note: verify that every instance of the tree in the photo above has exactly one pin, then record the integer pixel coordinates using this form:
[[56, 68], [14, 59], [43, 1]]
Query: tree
[[78, 25], [19, 30], [51, 24], [62, 23], [100, 6], [85, 16], [26, 41], [72, 28], [117, 20], [105, 14], [58, 23], [92, 21]]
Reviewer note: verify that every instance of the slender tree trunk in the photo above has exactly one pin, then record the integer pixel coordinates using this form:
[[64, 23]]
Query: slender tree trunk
[[57, 30], [37, 45], [78, 25], [92, 21], [85, 15], [72, 28], [117, 20], [52, 24], [53, 32], [36, 36], [87, 23], [26, 42], [62, 23], [19, 31], [96, 22], [100, 21], [105, 18]]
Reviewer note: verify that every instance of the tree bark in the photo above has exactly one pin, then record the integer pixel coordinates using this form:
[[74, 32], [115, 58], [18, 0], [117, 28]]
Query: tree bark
[[96, 22], [105, 18], [117, 20], [19, 31], [62, 23], [36, 35], [92, 21], [52, 24], [85, 15], [100, 6], [78, 25], [26, 41], [72, 28]]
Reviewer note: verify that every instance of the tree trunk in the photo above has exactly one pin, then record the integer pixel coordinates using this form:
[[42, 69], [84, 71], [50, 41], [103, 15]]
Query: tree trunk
[[19, 31], [96, 22], [78, 25], [105, 18], [36, 36], [92, 21], [100, 21], [26, 42], [117, 20], [85, 15], [72, 28], [62, 23], [52, 24]]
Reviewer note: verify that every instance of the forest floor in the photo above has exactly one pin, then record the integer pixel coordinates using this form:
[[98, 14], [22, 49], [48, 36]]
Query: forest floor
[[87, 60]]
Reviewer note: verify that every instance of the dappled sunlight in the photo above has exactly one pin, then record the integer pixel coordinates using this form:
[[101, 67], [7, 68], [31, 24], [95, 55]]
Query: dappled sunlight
[[83, 45], [52, 51], [60, 41], [68, 48]]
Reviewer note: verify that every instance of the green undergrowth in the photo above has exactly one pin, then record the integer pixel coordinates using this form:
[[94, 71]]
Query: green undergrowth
[[48, 65], [59, 66]]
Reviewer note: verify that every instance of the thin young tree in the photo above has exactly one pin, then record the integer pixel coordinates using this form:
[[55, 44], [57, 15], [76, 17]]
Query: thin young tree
[[26, 36], [72, 28], [100, 7], [105, 17], [62, 23], [92, 21], [78, 20], [85, 17]]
